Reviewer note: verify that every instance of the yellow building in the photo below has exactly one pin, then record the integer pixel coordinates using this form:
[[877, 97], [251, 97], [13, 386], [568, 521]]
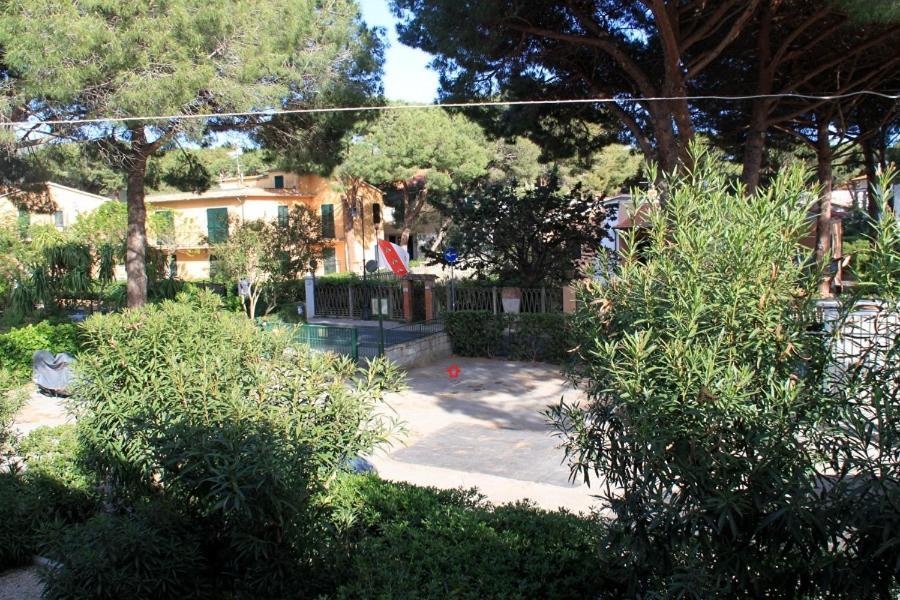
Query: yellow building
[[56, 205], [198, 217]]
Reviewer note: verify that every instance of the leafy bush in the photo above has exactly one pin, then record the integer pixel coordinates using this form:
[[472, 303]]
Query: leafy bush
[[19, 344], [149, 553], [544, 337], [59, 487], [704, 372], [475, 332], [17, 543], [50, 492], [236, 428], [412, 542], [10, 403]]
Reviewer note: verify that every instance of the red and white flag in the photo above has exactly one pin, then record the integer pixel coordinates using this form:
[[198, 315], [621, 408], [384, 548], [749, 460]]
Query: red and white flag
[[393, 257]]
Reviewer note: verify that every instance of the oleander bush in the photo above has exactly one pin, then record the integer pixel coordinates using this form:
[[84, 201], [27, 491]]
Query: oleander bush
[[710, 406], [234, 429]]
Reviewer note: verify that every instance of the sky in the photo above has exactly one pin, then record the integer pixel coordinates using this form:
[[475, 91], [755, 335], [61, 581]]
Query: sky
[[406, 73]]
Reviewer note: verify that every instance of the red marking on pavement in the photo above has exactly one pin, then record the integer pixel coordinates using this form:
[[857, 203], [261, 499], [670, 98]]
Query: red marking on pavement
[[453, 371]]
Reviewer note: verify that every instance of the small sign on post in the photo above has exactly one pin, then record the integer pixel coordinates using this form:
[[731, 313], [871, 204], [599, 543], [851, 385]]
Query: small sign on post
[[450, 255]]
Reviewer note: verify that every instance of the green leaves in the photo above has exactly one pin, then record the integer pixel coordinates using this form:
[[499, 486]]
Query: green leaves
[[704, 372], [234, 428]]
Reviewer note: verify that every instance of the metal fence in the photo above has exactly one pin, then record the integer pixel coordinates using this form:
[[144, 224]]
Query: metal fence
[[351, 301], [534, 300]]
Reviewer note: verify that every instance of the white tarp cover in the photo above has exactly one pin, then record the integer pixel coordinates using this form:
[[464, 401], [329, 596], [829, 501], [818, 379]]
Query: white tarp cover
[[52, 373]]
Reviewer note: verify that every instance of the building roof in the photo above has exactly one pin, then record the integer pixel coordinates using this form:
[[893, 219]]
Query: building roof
[[228, 193], [45, 200]]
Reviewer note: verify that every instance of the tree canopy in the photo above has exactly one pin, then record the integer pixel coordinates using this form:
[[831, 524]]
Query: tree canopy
[[181, 57], [417, 152], [524, 234]]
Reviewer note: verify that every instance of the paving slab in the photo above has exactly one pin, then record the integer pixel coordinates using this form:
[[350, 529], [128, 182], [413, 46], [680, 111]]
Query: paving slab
[[39, 410], [484, 428]]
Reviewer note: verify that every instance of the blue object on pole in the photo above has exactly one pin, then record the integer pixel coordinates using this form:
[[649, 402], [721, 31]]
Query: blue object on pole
[[450, 255]]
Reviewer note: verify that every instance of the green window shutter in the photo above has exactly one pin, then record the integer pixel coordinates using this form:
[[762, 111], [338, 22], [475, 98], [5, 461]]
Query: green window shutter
[[282, 216], [328, 221], [217, 225], [279, 182], [330, 261], [24, 222]]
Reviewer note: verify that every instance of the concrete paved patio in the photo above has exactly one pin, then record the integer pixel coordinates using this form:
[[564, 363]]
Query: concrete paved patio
[[483, 429]]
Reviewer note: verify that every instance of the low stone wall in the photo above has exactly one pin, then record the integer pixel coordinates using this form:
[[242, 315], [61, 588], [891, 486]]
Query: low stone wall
[[420, 352]]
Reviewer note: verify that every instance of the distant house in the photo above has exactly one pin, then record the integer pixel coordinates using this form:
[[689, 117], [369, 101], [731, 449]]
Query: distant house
[[197, 218], [51, 204]]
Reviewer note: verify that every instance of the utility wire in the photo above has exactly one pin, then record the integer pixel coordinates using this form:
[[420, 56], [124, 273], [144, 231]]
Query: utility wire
[[386, 107]]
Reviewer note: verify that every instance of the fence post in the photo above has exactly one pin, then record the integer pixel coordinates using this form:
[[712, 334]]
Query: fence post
[[447, 289], [354, 341], [543, 299], [494, 298], [350, 306], [310, 297]]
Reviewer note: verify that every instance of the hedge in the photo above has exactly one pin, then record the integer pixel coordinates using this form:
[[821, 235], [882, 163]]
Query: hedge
[[414, 542], [536, 337]]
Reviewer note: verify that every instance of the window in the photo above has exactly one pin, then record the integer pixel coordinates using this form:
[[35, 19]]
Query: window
[[217, 225], [279, 182], [173, 267], [24, 222], [58, 219], [165, 223], [330, 261], [376, 213], [328, 221], [282, 216]]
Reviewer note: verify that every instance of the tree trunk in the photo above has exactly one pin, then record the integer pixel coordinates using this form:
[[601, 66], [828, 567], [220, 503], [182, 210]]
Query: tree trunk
[[136, 239], [441, 233], [759, 114], [823, 222], [871, 164], [411, 215]]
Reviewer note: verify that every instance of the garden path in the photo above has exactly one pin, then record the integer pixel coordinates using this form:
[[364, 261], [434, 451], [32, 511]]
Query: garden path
[[483, 428]]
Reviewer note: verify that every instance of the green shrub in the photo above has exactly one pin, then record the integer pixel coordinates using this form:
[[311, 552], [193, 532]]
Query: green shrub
[[19, 344], [541, 336], [704, 373], [17, 538], [475, 332], [149, 553], [11, 401], [59, 487], [51, 491], [413, 542], [234, 427]]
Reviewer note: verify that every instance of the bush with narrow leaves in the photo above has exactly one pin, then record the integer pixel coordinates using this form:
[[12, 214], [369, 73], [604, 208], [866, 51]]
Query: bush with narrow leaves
[[236, 428]]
